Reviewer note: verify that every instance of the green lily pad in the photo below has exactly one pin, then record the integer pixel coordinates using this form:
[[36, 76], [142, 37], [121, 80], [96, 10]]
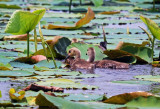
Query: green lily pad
[[83, 48], [58, 72], [82, 97], [50, 101], [148, 78], [65, 83], [134, 82], [5, 66], [145, 102], [15, 73], [9, 6]]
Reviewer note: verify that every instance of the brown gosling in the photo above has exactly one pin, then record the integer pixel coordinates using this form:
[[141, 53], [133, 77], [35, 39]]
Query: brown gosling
[[77, 62], [105, 63]]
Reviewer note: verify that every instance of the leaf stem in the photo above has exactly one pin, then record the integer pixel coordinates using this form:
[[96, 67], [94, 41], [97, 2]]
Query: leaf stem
[[153, 5], [51, 55], [153, 47], [70, 4], [35, 39], [28, 44], [80, 1]]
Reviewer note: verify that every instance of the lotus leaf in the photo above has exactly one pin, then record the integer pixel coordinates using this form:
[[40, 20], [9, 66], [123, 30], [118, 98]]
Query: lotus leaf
[[150, 102], [126, 97], [56, 102], [152, 26], [15, 73], [22, 22], [149, 78], [88, 17], [5, 67]]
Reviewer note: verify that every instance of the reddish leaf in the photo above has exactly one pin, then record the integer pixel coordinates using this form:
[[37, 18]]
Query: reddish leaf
[[88, 17]]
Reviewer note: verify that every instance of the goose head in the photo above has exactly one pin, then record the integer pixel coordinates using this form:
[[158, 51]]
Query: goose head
[[91, 54]]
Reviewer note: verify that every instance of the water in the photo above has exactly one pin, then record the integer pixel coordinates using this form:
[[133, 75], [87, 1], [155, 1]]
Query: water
[[104, 82]]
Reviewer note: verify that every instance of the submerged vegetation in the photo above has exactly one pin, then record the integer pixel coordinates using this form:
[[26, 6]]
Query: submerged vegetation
[[106, 33]]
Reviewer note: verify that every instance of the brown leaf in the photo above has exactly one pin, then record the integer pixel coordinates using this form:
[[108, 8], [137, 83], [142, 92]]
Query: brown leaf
[[122, 44], [16, 37], [35, 87], [88, 17], [126, 97], [110, 12]]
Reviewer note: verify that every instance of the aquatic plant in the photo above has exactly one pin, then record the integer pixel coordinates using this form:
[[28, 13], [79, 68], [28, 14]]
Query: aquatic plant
[[22, 22], [154, 29]]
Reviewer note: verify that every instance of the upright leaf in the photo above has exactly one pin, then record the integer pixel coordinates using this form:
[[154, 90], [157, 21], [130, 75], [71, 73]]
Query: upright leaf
[[152, 26], [88, 17], [0, 94], [22, 22]]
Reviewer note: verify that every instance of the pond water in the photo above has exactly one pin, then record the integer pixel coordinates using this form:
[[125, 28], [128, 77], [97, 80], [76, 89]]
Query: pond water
[[105, 82], [107, 76]]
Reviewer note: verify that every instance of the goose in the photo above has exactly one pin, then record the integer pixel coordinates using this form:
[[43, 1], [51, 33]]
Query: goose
[[105, 63], [77, 62]]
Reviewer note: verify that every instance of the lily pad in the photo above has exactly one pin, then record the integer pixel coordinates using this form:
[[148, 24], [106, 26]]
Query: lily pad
[[15, 73], [58, 72], [82, 97], [65, 83], [50, 101], [83, 48], [5, 67], [148, 78], [145, 102]]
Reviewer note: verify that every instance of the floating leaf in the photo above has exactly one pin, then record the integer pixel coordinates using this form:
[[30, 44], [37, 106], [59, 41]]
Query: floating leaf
[[22, 22], [16, 37], [16, 96], [40, 68], [150, 102], [5, 67], [88, 17], [84, 97], [152, 26], [126, 97], [44, 100], [15, 73], [9, 6], [149, 78], [65, 83], [110, 12], [83, 48]]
